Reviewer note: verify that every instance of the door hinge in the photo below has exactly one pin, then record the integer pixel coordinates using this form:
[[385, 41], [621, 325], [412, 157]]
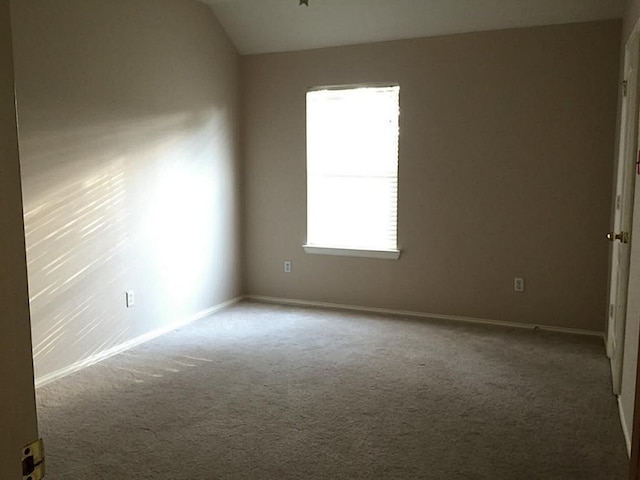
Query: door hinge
[[618, 202], [611, 310], [33, 461], [625, 86]]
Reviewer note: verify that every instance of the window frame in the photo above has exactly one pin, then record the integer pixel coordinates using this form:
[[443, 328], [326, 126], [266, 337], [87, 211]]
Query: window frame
[[313, 249]]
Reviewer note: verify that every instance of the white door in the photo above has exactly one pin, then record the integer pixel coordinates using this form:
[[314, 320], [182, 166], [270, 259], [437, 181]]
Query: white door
[[18, 426], [625, 181]]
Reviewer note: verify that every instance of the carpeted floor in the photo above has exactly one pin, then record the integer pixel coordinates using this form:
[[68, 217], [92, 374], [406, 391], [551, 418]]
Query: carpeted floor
[[268, 392]]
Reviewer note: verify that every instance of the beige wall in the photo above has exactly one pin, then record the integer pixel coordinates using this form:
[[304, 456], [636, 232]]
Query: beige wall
[[505, 170], [633, 304], [17, 405], [128, 113]]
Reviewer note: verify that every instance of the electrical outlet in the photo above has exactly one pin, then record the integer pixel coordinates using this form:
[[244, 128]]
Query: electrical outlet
[[130, 299], [287, 267], [518, 284]]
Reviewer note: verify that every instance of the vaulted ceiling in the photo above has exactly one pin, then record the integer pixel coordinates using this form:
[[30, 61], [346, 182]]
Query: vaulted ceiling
[[261, 26]]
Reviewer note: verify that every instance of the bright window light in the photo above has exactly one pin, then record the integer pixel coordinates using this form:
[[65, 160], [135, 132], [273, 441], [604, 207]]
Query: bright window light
[[352, 168]]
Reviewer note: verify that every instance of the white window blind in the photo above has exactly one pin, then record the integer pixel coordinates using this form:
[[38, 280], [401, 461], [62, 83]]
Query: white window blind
[[352, 168]]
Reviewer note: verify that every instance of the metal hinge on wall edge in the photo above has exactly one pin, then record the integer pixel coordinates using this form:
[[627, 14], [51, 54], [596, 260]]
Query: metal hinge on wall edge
[[625, 85], [33, 461]]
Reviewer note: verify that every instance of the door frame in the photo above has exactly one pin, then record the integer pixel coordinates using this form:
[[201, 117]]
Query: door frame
[[18, 418], [634, 462], [623, 207]]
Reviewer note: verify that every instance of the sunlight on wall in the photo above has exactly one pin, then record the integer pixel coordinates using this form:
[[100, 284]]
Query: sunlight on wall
[[147, 205], [188, 193], [72, 234]]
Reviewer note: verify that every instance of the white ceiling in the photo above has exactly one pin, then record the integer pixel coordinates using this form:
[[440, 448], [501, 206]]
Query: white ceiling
[[261, 26]]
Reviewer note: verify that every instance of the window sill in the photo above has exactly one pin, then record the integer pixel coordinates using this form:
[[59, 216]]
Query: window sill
[[352, 252]]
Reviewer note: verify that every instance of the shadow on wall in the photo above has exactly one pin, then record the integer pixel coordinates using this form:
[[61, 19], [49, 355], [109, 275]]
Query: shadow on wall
[[145, 204]]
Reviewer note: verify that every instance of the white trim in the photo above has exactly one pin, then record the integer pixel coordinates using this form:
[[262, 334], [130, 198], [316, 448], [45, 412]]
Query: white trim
[[99, 357], [627, 437], [351, 86], [352, 252], [436, 316]]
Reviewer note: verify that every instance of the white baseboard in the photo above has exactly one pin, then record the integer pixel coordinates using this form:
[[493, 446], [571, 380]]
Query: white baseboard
[[623, 421], [99, 357], [405, 313]]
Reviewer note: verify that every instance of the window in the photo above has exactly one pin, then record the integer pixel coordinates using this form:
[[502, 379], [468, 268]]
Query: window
[[352, 171]]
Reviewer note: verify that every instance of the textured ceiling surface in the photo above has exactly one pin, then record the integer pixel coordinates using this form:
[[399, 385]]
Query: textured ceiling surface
[[261, 26]]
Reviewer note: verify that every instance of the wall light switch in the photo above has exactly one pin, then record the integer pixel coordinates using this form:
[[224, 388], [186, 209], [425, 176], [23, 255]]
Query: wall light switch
[[131, 299], [518, 284]]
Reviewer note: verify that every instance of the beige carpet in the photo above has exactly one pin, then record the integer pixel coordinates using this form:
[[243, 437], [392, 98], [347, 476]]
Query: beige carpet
[[268, 392]]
